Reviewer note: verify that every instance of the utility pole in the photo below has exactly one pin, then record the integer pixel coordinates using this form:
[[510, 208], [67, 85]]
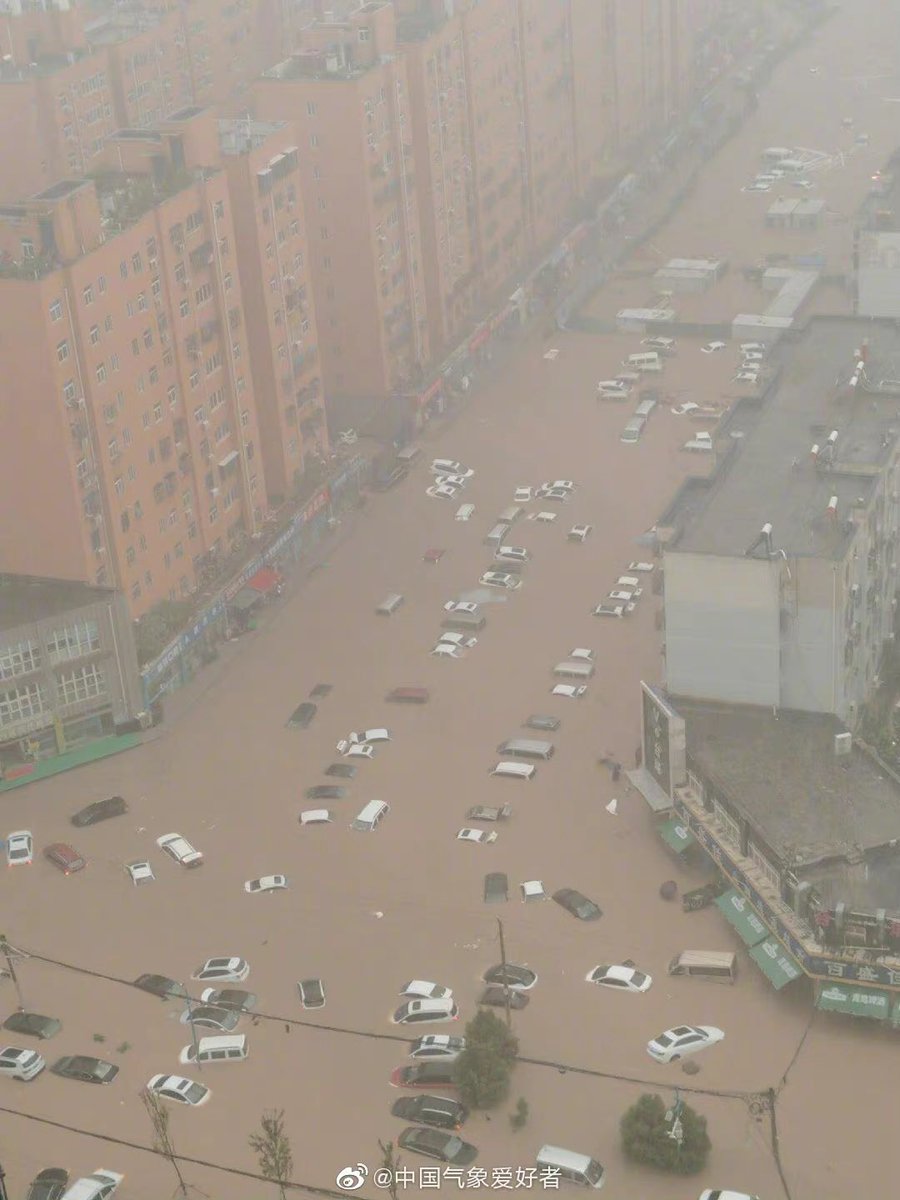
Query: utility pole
[[503, 969], [6, 951]]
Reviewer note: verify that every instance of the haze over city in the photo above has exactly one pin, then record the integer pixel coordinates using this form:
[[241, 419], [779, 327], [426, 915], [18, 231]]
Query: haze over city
[[449, 515]]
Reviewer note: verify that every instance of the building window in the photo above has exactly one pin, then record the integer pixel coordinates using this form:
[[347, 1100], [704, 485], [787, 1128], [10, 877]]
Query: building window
[[172, 394], [202, 294], [123, 268], [136, 264], [56, 311], [73, 641], [100, 373], [135, 591], [363, 34], [195, 379], [317, 172], [95, 335], [219, 210], [729, 828], [130, 556], [314, 141], [84, 683], [20, 703], [69, 391], [101, 284], [114, 362], [148, 338], [323, 233], [184, 307], [62, 351], [87, 294], [107, 323], [27, 248], [227, 283], [119, 485], [763, 864], [19, 658], [153, 374]]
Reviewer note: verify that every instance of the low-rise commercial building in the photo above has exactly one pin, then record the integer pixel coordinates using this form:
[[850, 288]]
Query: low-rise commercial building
[[68, 669]]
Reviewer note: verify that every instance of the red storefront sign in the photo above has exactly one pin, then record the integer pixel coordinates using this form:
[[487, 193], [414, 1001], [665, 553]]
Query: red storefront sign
[[315, 505]]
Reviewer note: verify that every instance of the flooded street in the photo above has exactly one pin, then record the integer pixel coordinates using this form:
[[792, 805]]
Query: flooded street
[[368, 912]]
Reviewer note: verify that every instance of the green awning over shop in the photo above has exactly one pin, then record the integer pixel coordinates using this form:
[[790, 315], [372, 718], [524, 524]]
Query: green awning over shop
[[856, 1001], [779, 967], [740, 915], [895, 1013], [676, 835]]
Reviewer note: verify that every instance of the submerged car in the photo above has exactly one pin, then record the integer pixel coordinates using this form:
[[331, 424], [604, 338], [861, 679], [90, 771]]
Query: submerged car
[[32, 1025], [482, 836], [266, 883], [302, 716], [85, 1068], [578, 533], [500, 579], [543, 721], [229, 998], [161, 986], [434, 1143], [223, 970], [312, 993], [208, 1016], [437, 1046], [624, 979], [500, 997], [681, 1041], [325, 791], [424, 1074], [176, 1087], [140, 872], [48, 1184], [570, 690], [577, 904], [20, 849], [516, 978], [100, 810], [441, 1112]]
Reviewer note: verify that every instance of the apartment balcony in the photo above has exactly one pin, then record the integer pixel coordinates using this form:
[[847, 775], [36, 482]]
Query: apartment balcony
[[202, 256], [209, 331]]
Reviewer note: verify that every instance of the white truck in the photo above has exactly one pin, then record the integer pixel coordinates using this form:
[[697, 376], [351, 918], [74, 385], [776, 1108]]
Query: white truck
[[700, 441]]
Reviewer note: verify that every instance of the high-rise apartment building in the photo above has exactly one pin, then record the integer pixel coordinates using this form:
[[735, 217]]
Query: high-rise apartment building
[[348, 95], [262, 163], [433, 47], [545, 78], [129, 445], [73, 73]]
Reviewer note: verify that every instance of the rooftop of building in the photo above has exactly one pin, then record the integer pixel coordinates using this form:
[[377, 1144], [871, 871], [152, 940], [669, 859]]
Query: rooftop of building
[[769, 475], [25, 599], [241, 135], [781, 771]]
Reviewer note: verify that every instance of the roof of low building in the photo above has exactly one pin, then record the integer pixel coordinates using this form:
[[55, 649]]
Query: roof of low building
[[780, 770], [26, 599]]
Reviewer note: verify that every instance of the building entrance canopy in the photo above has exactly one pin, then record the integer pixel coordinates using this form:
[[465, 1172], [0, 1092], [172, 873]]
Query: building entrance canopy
[[676, 835], [779, 967], [741, 917], [856, 1001]]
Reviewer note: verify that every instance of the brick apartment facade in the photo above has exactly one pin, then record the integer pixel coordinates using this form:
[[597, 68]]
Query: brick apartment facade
[[137, 457], [262, 163], [177, 322], [348, 95]]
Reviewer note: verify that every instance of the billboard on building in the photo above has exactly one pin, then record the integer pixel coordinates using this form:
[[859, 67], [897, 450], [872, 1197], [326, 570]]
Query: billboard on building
[[878, 275], [662, 740]]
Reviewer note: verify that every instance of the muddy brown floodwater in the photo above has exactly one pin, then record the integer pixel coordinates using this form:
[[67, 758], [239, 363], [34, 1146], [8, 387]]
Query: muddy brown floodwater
[[367, 912]]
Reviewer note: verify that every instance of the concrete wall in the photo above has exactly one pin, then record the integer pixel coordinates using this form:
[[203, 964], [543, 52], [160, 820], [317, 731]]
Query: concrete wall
[[813, 676], [722, 628]]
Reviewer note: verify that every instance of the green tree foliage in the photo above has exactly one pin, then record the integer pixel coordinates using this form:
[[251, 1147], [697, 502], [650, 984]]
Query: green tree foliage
[[645, 1137], [483, 1069], [488, 1030], [273, 1149], [159, 625]]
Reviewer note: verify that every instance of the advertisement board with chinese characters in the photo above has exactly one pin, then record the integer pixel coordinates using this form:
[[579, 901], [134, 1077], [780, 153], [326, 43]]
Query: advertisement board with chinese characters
[[662, 740]]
